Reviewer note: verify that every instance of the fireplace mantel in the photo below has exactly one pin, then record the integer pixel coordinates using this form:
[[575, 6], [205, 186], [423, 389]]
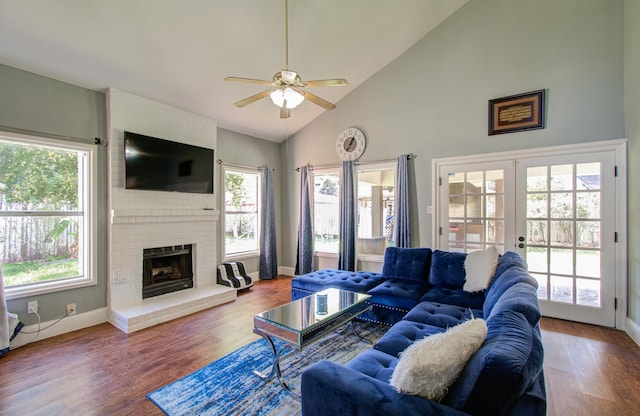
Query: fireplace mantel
[[148, 215]]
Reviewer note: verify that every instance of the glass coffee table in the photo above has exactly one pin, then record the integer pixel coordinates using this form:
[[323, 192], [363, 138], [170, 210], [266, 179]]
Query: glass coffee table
[[303, 321]]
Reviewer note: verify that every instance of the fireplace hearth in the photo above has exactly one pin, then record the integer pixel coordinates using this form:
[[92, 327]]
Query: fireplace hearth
[[166, 269]]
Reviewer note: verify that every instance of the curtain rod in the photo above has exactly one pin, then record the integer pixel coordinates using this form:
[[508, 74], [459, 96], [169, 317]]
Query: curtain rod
[[235, 165], [409, 157], [96, 140]]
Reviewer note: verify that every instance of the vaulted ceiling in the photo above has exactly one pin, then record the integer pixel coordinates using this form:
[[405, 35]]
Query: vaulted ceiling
[[179, 52]]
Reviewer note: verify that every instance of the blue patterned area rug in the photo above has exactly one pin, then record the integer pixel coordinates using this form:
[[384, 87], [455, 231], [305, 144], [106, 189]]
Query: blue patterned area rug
[[229, 387]]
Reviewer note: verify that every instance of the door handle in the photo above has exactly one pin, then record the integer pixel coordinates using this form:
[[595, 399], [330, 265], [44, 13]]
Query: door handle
[[521, 245]]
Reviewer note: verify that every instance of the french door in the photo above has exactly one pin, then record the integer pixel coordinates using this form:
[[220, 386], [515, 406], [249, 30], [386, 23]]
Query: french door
[[557, 212]]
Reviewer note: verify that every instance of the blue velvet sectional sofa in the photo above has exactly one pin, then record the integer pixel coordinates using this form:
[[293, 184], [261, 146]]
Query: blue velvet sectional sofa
[[420, 293]]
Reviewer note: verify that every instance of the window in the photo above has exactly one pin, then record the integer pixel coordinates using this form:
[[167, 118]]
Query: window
[[47, 220], [326, 210], [241, 196], [376, 207]]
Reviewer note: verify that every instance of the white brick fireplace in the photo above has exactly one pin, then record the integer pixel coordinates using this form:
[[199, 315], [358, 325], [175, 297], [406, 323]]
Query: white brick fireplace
[[148, 219]]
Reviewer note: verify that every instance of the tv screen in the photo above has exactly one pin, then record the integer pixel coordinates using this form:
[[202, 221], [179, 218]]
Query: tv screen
[[163, 165]]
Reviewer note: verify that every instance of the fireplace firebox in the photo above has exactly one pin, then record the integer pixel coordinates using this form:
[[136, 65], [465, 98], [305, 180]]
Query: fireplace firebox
[[166, 269]]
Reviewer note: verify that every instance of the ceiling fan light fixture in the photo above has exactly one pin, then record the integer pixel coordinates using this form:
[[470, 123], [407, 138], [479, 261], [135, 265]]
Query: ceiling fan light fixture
[[291, 97]]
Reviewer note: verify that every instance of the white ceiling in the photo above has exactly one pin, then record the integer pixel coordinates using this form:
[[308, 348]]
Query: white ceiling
[[179, 51]]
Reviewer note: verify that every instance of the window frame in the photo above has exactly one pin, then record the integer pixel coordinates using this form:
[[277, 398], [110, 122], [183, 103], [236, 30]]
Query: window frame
[[243, 254], [89, 218]]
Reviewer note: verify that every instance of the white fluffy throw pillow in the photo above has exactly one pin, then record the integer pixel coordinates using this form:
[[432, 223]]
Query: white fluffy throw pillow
[[480, 266], [429, 366]]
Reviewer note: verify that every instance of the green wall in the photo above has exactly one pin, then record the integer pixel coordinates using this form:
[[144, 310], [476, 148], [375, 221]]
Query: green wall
[[432, 100], [632, 121], [33, 102], [240, 149]]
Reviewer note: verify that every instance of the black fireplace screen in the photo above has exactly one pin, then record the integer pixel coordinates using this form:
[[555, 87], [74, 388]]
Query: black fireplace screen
[[166, 269]]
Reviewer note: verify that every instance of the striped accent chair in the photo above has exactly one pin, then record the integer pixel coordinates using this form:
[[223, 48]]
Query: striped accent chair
[[233, 274]]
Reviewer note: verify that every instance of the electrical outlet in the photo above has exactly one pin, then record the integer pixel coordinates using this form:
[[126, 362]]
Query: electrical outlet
[[32, 307], [71, 309]]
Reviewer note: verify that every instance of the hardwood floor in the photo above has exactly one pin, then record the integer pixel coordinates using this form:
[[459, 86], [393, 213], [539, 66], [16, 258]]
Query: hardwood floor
[[101, 371]]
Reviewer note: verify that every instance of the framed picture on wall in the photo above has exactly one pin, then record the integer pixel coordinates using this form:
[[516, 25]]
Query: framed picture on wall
[[516, 113]]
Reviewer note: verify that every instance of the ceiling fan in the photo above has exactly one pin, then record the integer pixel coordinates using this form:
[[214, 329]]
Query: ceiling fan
[[287, 88]]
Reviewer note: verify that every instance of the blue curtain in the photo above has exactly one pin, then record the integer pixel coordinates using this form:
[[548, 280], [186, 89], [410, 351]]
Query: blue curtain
[[347, 252], [401, 231], [268, 256], [304, 258]]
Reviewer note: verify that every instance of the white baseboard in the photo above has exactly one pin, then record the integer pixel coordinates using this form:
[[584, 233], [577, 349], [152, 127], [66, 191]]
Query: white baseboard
[[633, 330], [67, 324], [287, 271]]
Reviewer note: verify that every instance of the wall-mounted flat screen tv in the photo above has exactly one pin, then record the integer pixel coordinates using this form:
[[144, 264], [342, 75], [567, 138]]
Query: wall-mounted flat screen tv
[[164, 165]]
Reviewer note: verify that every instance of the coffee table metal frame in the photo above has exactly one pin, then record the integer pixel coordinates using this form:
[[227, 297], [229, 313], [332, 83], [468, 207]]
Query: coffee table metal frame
[[306, 320]]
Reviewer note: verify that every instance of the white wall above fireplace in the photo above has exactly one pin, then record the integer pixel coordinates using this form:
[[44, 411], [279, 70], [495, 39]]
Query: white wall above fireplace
[[145, 219]]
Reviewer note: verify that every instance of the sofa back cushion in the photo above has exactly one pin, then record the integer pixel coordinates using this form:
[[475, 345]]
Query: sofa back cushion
[[507, 260], [407, 263], [447, 269], [520, 297], [504, 367], [513, 275]]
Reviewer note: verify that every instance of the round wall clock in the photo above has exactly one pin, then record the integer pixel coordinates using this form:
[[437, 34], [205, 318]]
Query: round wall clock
[[351, 144]]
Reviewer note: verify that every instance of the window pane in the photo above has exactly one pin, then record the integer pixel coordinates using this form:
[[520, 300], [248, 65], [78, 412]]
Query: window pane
[[537, 232], [561, 233], [588, 234], [562, 178], [241, 233], [376, 207], [562, 261], [474, 182], [561, 205], [537, 205], [38, 178], [588, 263], [537, 259], [588, 292], [588, 205], [326, 211], [562, 289], [241, 191], [537, 179], [37, 249], [588, 176]]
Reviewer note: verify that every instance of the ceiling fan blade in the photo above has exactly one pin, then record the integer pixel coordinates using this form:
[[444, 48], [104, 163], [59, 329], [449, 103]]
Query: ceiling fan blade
[[253, 98], [338, 82], [249, 80], [317, 100]]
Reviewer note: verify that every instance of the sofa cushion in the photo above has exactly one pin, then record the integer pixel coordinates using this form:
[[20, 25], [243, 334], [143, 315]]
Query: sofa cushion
[[316, 281], [458, 297], [429, 366], [403, 334], [520, 297], [398, 293], [441, 315], [360, 282], [480, 267], [447, 269], [375, 364], [507, 363], [507, 260], [515, 274], [407, 263]]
